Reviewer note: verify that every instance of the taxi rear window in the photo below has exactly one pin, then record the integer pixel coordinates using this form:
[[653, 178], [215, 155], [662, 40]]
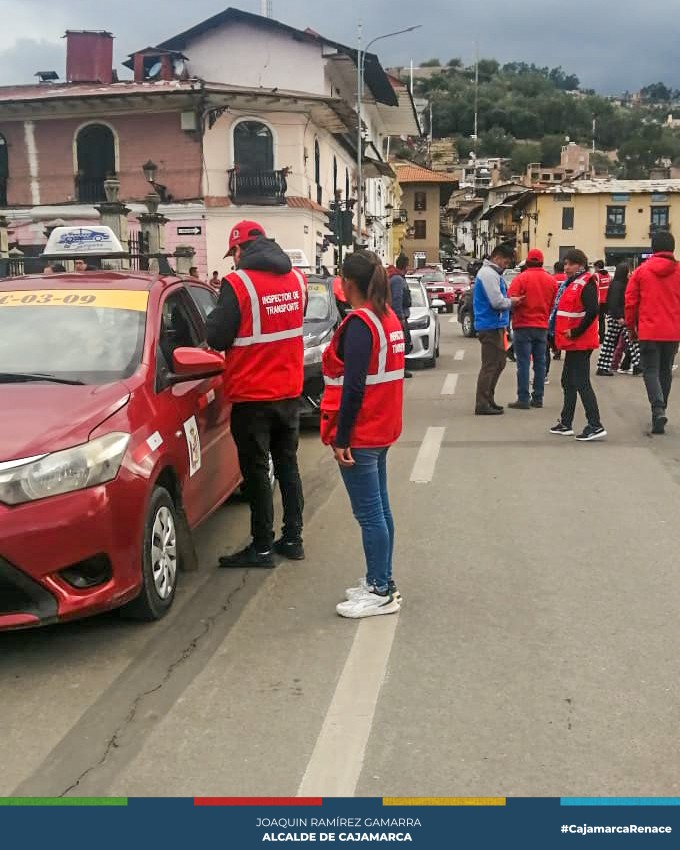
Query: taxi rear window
[[83, 335]]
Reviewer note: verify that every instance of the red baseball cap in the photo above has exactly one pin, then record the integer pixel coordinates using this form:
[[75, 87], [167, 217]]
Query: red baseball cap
[[535, 256], [244, 231]]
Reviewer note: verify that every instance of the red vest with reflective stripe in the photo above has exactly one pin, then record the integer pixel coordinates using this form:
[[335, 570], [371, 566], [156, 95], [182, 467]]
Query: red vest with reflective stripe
[[603, 281], [266, 362], [378, 423], [570, 313]]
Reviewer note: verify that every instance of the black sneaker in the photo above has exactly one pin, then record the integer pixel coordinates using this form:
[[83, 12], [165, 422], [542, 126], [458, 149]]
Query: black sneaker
[[537, 402], [291, 550], [489, 411], [659, 424], [562, 430], [248, 557], [519, 405], [496, 406], [591, 432], [408, 374], [605, 373], [637, 370], [394, 590]]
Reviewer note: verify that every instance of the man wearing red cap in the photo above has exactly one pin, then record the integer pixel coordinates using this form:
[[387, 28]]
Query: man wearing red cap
[[258, 323], [530, 328]]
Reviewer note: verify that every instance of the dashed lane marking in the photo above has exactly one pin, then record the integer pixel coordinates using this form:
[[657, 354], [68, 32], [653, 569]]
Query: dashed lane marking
[[460, 355], [338, 757], [449, 387], [426, 461]]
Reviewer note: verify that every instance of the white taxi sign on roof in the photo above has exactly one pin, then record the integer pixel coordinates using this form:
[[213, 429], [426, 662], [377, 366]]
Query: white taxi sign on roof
[[90, 241], [298, 258]]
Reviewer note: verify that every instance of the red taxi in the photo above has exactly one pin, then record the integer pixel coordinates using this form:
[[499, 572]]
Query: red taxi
[[115, 442]]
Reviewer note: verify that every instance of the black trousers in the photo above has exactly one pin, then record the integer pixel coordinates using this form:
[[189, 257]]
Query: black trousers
[[602, 322], [657, 367], [576, 382], [260, 428]]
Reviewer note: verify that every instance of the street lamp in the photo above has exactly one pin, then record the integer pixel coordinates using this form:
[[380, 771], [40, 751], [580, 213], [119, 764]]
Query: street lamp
[[150, 170], [361, 61]]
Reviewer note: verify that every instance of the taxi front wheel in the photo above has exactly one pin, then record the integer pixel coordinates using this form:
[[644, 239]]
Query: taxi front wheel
[[160, 560]]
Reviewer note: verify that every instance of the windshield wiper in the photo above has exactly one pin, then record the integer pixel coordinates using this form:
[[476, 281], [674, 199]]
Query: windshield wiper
[[20, 377]]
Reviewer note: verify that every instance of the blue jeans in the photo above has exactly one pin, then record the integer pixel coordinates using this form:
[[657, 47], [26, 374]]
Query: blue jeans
[[366, 484], [530, 342]]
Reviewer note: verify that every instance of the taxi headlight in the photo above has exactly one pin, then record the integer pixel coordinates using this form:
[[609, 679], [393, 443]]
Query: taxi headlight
[[83, 466]]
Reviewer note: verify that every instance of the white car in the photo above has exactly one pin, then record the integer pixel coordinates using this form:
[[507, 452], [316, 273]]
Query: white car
[[423, 324]]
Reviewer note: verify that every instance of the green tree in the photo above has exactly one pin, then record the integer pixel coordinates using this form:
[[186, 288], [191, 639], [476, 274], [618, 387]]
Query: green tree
[[523, 154], [656, 93], [496, 142], [551, 150], [455, 64], [431, 63]]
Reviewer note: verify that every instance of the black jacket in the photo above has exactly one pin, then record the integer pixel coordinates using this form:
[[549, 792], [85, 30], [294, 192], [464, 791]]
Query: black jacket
[[262, 255], [616, 298]]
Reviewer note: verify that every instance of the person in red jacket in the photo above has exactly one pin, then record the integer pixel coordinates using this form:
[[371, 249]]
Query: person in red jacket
[[530, 328], [653, 316], [361, 417], [258, 323], [603, 281], [576, 334]]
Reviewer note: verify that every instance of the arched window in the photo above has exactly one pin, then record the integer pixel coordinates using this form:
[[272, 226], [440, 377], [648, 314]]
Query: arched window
[[96, 158], [4, 170], [253, 147], [317, 171]]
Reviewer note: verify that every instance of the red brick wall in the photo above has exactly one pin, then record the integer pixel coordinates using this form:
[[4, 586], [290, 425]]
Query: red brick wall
[[141, 136]]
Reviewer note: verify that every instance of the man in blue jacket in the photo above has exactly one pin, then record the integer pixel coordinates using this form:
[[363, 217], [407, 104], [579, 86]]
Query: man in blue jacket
[[492, 317]]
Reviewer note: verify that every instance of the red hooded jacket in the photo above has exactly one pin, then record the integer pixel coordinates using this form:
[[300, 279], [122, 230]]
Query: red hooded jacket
[[539, 290], [653, 299]]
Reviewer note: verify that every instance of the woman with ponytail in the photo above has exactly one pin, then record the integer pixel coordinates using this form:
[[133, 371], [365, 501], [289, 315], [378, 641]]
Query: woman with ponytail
[[361, 416]]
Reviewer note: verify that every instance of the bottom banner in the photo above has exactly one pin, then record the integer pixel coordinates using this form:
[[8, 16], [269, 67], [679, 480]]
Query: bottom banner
[[416, 822]]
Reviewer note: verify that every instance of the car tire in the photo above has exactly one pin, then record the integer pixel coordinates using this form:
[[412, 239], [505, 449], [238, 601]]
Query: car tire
[[467, 325], [160, 560]]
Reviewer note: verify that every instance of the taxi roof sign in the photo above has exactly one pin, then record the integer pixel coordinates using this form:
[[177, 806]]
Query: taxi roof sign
[[298, 258], [90, 241]]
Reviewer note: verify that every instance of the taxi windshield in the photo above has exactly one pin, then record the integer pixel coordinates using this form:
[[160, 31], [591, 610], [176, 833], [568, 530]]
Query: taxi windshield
[[318, 303], [80, 336]]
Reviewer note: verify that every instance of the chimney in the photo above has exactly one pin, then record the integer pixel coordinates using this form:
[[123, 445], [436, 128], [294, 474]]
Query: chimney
[[89, 57]]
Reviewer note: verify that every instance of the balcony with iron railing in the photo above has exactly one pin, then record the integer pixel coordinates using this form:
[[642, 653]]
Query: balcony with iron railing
[[261, 188], [3, 191], [90, 190], [657, 228], [615, 231]]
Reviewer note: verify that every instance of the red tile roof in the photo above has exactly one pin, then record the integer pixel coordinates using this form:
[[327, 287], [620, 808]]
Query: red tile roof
[[304, 204], [417, 174]]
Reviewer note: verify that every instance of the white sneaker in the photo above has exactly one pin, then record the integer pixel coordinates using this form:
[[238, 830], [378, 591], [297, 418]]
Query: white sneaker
[[363, 588], [368, 604]]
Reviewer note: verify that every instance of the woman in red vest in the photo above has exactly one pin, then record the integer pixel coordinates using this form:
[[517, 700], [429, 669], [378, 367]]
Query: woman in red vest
[[576, 333], [361, 416]]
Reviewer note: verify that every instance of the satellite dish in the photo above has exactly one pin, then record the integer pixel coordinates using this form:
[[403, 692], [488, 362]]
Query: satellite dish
[[154, 71]]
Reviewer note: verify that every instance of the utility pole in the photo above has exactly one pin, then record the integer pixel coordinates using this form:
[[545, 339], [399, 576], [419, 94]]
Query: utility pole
[[476, 95]]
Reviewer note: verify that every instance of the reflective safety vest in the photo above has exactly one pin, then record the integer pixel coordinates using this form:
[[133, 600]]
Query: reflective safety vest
[[266, 362], [379, 421], [603, 281], [570, 314]]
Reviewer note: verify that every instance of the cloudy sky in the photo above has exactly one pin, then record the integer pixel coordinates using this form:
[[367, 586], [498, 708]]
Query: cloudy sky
[[596, 39]]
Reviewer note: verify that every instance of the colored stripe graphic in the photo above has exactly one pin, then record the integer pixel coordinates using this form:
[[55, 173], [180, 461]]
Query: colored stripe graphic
[[619, 801], [63, 801], [258, 801], [443, 801]]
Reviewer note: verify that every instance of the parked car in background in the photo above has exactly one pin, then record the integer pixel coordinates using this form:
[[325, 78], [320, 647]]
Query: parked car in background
[[423, 324], [321, 320], [437, 286], [460, 281]]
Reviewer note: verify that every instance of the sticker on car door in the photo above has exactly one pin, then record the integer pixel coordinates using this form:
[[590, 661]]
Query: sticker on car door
[[193, 444]]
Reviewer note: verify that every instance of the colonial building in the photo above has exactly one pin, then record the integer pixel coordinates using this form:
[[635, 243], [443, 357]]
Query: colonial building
[[220, 137], [425, 193]]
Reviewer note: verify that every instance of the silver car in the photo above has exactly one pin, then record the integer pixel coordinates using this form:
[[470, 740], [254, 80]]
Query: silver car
[[423, 324]]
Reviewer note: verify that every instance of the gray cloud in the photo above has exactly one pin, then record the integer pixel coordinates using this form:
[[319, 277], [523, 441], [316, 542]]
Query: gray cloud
[[609, 49]]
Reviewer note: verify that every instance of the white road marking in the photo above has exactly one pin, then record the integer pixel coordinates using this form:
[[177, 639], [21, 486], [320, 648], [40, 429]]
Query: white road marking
[[449, 387], [460, 355], [423, 468], [338, 757]]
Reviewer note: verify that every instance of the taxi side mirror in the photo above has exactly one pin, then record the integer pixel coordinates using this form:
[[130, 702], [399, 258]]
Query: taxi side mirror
[[192, 364]]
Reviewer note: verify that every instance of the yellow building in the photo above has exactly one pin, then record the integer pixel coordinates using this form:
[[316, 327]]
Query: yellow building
[[425, 192], [610, 220]]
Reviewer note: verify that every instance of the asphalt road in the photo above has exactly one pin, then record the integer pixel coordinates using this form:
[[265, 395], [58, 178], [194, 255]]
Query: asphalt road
[[535, 653]]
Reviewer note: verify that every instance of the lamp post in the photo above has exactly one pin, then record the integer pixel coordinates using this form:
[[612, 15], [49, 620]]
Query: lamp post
[[361, 61]]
